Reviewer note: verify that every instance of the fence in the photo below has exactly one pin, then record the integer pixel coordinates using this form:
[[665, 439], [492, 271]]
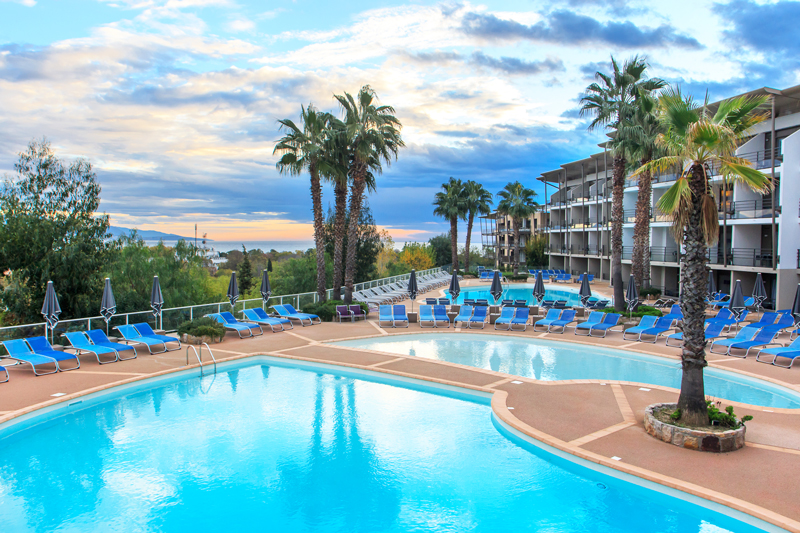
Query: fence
[[172, 317]]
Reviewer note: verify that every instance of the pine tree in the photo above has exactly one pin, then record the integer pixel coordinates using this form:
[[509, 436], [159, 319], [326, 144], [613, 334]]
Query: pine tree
[[245, 273]]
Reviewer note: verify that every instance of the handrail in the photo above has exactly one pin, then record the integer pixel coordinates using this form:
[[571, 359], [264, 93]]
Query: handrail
[[200, 356]]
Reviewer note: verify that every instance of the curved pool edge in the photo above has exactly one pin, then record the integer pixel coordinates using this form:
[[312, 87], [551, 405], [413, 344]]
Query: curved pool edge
[[568, 340], [709, 499]]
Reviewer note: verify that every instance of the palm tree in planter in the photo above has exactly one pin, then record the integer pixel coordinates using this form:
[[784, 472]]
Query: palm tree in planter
[[451, 205], [700, 142], [611, 100], [303, 148], [477, 201], [517, 203], [638, 133], [372, 135]]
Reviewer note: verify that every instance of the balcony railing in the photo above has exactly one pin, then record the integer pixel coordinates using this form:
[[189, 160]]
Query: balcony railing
[[664, 254], [761, 208], [753, 257]]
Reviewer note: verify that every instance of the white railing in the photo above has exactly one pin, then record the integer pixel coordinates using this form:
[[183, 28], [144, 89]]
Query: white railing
[[172, 317]]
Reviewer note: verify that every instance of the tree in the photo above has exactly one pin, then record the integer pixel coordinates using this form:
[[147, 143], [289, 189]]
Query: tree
[[478, 201], [536, 251], [442, 249], [269, 265], [418, 256], [49, 231], [245, 273], [372, 135], [610, 99], [699, 140], [517, 202], [451, 205], [368, 242], [386, 255], [305, 149], [638, 133]]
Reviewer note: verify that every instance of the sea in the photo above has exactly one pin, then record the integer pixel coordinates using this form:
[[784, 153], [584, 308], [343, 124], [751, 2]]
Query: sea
[[266, 246]]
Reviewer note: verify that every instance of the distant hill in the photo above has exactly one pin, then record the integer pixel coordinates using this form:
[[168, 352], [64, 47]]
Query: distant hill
[[149, 235]]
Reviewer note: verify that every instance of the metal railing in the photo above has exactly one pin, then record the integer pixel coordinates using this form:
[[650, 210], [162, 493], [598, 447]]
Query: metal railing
[[172, 317], [753, 257], [664, 254]]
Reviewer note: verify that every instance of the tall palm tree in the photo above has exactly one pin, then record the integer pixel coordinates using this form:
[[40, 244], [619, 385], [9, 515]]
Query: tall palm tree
[[610, 99], [639, 132], [451, 205], [372, 134], [304, 149], [339, 152], [700, 142], [517, 202], [477, 201]]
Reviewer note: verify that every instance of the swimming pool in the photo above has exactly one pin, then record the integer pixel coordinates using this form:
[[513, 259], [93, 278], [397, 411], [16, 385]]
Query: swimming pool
[[519, 291], [287, 449], [557, 361]]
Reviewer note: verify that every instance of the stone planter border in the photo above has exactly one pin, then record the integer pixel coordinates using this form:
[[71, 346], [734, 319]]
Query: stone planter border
[[191, 339], [693, 439]]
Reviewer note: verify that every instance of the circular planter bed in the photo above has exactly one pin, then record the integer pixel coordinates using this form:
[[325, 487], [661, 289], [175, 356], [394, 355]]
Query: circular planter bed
[[191, 339], [704, 440]]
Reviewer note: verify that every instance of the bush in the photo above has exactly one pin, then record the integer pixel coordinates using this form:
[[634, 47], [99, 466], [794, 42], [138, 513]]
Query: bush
[[716, 417], [327, 310], [650, 292], [202, 327], [641, 311]]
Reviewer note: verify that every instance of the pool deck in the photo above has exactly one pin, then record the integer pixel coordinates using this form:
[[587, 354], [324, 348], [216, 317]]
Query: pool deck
[[600, 421]]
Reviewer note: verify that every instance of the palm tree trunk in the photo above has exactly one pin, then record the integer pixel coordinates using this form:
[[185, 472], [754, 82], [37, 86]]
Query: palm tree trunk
[[340, 193], [516, 246], [454, 242], [692, 400], [641, 231], [319, 232], [618, 184], [356, 199], [470, 220]]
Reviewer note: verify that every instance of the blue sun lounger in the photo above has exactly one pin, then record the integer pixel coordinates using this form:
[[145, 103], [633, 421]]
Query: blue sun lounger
[[426, 316], [611, 320], [253, 316], [551, 316], [645, 323], [521, 319], [385, 315], [229, 319], [287, 311], [506, 315], [674, 314], [792, 351], [99, 338], [713, 331], [145, 330], [238, 327], [41, 346], [464, 314], [595, 317], [131, 335], [399, 315], [663, 324], [4, 369], [19, 351], [478, 317], [743, 335], [440, 315], [746, 338], [81, 342], [567, 317]]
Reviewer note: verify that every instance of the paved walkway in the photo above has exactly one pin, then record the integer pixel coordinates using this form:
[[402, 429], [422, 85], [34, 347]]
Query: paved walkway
[[600, 421]]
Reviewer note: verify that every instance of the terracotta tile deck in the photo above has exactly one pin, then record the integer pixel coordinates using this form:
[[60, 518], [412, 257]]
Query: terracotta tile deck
[[585, 418]]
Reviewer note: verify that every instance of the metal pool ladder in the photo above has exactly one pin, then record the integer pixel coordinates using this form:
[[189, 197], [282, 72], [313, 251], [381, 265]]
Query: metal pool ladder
[[200, 356]]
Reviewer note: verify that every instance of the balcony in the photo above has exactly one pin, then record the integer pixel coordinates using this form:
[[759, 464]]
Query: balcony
[[743, 209], [585, 250], [751, 257], [663, 254]]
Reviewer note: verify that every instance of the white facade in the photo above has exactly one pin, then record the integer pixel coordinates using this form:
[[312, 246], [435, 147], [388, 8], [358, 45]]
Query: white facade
[[578, 215]]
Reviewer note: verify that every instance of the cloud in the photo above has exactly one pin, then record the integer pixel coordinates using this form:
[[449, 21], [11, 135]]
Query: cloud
[[505, 65], [570, 28], [763, 27], [241, 25]]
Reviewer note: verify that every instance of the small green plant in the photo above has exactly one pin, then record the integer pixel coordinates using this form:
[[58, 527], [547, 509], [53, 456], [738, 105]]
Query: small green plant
[[202, 327], [726, 418], [676, 415]]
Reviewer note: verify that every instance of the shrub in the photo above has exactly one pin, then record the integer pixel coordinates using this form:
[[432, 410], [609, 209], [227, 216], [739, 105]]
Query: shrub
[[641, 311], [327, 310], [651, 291], [202, 327], [726, 418]]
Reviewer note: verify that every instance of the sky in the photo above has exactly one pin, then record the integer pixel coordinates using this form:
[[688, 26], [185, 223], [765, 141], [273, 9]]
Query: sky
[[176, 102]]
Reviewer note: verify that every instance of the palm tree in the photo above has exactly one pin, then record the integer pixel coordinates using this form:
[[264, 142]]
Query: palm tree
[[517, 202], [338, 151], [451, 205], [610, 99], [372, 134], [639, 133], [477, 201], [305, 149], [700, 143]]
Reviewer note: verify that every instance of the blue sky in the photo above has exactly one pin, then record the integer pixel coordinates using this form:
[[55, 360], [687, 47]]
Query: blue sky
[[175, 102]]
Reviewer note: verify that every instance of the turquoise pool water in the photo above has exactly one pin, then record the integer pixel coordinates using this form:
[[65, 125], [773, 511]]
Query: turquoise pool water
[[521, 291], [283, 449], [555, 361]]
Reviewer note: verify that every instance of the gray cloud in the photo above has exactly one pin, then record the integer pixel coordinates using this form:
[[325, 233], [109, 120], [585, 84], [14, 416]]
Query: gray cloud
[[505, 64], [566, 27], [764, 27]]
